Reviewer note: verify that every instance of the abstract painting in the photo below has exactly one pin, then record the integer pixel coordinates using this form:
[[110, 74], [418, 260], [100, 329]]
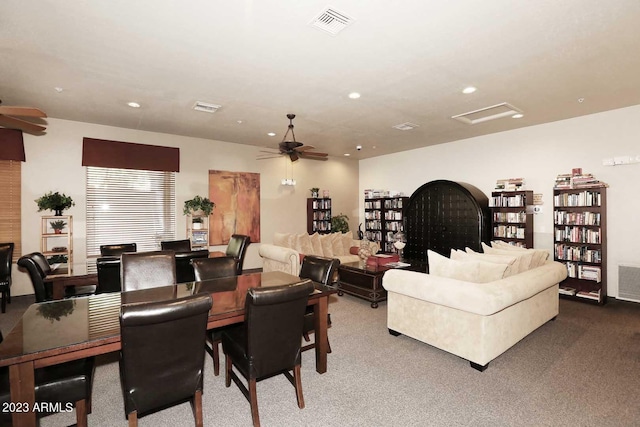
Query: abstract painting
[[237, 210]]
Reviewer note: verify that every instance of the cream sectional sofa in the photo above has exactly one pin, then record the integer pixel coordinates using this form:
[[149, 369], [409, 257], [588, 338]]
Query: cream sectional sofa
[[287, 250], [476, 321]]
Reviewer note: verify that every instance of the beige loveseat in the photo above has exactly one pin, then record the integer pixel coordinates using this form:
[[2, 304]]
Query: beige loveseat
[[287, 250], [476, 321]]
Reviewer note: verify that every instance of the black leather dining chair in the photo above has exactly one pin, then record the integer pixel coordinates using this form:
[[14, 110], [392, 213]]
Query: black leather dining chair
[[322, 270], [117, 249], [161, 361], [237, 248], [65, 384], [108, 268], [184, 268], [214, 268], [268, 342], [143, 270], [70, 291], [176, 245], [6, 256]]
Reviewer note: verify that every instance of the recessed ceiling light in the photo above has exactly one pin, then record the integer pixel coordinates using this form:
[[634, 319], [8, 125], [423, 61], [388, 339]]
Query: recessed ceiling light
[[354, 95], [517, 116], [347, 154], [581, 100], [239, 122], [469, 89], [58, 89], [271, 134], [133, 104], [358, 147]]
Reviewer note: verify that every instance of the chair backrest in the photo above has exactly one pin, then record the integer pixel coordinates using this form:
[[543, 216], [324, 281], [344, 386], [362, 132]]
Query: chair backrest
[[117, 249], [162, 357], [42, 262], [6, 255], [35, 273], [108, 274], [274, 320], [143, 270], [184, 269], [176, 245], [214, 268], [237, 248], [319, 269]]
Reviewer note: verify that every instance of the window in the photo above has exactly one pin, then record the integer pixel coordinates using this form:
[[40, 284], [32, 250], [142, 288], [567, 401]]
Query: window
[[129, 206], [10, 218]]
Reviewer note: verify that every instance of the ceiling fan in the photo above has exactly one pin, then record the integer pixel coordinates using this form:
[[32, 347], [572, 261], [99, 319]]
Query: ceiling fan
[[294, 149], [11, 118]]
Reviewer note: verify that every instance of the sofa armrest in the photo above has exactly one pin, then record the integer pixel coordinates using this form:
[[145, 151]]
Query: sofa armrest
[[279, 258]]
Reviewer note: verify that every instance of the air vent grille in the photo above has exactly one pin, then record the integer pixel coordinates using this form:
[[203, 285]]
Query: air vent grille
[[206, 107], [331, 21], [629, 282], [488, 113], [406, 126]]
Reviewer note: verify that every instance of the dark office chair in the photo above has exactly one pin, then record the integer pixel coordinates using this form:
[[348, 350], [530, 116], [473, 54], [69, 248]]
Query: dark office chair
[[161, 361], [117, 249], [322, 270], [143, 270], [184, 269], [214, 268], [69, 382], [268, 342], [108, 274], [237, 248], [176, 245], [6, 256]]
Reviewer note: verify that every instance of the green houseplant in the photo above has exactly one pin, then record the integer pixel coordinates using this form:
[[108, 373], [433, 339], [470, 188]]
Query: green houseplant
[[58, 225], [198, 204], [340, 223], [54, 202], [315, 191]]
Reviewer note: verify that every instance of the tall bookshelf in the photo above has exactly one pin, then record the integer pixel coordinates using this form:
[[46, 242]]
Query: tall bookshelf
[[383, 218], [198, 231], [580, 242], [319, 215], [512, 217]]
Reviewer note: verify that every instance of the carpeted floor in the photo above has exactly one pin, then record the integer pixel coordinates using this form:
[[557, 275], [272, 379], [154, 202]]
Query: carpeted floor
[[581, 370]]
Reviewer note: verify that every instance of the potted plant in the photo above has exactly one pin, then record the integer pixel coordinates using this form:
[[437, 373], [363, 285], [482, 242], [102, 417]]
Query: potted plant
[[197, 222], [198, 204], [57, 226], [54, 202], [315, 191], [339, 223]]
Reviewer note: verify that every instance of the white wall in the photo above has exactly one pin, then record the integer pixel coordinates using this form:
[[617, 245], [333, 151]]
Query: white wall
[[54, 163], [537, 153]]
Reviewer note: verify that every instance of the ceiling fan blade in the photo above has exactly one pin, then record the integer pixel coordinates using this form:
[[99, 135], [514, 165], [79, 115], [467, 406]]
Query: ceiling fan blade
[[305, 148], [265, 158], [304, 156], [293, 156], [270, 152], [313, 153], [13, 123], [22, 111]]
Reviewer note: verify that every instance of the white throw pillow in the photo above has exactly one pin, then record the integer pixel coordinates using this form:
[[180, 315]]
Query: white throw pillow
[[316, 245], [468, 271], [526, 261], [304, 244], [327, 245], [347, 242], [336, 244], [470, 255], [538, 259], [281, 239]]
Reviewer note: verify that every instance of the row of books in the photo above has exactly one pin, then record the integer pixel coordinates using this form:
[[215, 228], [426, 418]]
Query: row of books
[[375, 194], [576, 234], [584, 198], [577, 179], [322, 215], [577, 253], [585, 272], [509, 232], [517, 201], [510, 184], [592, 295], [393, 216], [512, 217], [576, 218], [321, 204]]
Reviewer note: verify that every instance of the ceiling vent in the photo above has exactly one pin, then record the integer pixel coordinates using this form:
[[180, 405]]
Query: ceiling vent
[[206, 107], [488, 113], [406, 126], [331, 21]]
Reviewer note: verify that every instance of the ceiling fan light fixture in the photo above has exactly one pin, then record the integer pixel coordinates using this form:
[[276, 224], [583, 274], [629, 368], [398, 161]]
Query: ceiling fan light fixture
[[133, 104]]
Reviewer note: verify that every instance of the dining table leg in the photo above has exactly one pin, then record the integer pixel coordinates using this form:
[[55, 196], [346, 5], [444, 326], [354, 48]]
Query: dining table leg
[[23, 395], [321, 310]]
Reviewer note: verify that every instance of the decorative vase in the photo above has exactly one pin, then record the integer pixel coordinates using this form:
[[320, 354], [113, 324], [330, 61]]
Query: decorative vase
[[57, 231], [360, 233], [197, 226], [314, 194], [58, 212], [365, 251]]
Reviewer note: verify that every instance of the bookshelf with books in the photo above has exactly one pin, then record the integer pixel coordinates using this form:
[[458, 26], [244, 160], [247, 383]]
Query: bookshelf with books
[[512, 217], [383, 219], [319, 215], [580, 241]]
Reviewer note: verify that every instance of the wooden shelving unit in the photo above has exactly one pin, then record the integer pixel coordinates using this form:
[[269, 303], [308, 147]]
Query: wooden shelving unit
[[383, 218], [198, 234], [57, 247], [512, 217], [319, 215], [580, 242]]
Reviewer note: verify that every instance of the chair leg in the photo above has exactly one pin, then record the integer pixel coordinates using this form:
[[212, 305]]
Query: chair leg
[[81, 413], [197, 408], [133, 419], [9, 295], [216, 357], [298, 386], [328, 346], [4, 301], [228, 367], [305, 335], [253, 400]]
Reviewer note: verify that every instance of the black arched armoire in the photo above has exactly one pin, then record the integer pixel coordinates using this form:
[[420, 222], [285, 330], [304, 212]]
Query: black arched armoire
[[443, 215]]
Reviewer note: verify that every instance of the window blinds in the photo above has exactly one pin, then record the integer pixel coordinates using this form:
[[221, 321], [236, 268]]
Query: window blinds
[[10, 218]]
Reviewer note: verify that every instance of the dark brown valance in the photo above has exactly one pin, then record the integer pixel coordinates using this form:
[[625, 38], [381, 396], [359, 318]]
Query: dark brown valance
[[126, 155], [11, 145]]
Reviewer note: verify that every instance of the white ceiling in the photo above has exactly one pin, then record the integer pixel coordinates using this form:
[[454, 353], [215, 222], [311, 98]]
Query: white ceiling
[[261, 59]]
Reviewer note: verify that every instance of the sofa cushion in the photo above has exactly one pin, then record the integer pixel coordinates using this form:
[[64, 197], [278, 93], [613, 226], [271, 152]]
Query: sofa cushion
[[469, 271], [539, 258], [510, 261], [304, 244], [281, 239], [327, 245], [336, 244], [316, 245], [347, 243], [526, 258]]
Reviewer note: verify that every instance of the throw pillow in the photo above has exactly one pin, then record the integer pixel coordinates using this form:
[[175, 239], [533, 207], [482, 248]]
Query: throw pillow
[[526, 261], [316, 245], [336, 244], [347, 242], [468, 271], [327, 245], [281, 239], [538, 259], [511, 261], [304, 244]]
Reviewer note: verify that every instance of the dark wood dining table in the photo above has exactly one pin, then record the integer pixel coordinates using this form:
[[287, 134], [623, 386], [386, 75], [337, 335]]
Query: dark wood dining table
[[55, 332]]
